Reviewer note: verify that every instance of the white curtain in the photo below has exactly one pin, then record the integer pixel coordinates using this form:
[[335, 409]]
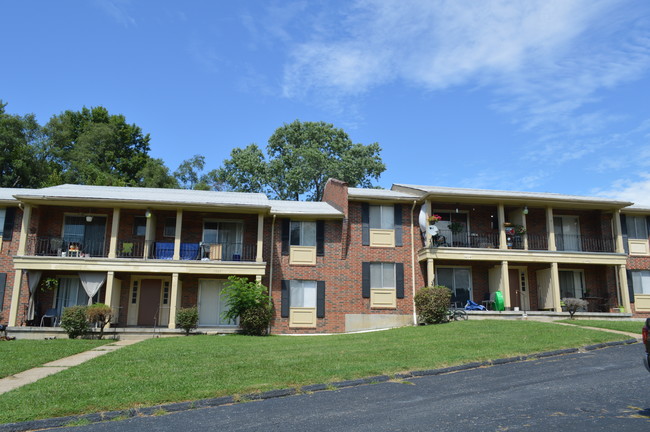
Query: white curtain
[[92, 282], [33, 278]]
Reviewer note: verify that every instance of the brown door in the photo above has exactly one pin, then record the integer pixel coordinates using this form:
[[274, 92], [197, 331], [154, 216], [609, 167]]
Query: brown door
[[513, 278], [149, 302]]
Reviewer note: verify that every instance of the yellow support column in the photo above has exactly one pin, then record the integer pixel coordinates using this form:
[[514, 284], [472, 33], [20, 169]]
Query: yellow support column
[[173, 301], [177, 238], [505, 285], [110, 295], [623, 288], [618, 232], [431, 273], [503, 243], [15, 298], [555, 287], [115, 226], [550, 229], [260, 237]]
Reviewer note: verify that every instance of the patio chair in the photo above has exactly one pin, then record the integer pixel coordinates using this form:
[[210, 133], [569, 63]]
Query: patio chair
[[52, 315]]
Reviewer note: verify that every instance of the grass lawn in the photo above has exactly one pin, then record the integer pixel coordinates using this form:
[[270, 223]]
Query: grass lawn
[[626, 326], [187, 368], [20, 355]]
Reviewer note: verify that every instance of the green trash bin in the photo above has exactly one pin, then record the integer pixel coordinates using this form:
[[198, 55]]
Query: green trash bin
[[498, 301]]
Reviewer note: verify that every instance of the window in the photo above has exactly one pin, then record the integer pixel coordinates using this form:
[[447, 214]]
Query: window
[[641, 282], [134, 292], [86, 237], [571, 283], [303, 294], [139, 226], [2, 220], [223, 239], [70, 293], [637, 227], [382, 217], [383, 283], [382, 275], [170, 227], [303, 233], [458, 280]]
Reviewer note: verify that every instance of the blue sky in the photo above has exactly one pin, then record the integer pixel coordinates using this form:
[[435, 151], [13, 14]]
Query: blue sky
[[550, 96]]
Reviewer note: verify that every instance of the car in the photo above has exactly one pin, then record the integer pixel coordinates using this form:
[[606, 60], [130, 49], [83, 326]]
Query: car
[[646, 342]]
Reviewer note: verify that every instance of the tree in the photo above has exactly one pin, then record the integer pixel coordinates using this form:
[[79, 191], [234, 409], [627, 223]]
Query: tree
[[94, 147], [302, 156], [21, 162]]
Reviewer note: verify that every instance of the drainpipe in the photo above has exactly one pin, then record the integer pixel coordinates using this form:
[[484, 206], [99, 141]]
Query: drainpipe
[[415, 318], [271, 265]]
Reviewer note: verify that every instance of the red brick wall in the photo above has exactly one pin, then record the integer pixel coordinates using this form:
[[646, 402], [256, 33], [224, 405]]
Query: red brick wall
[[343, 275], [9, 248]]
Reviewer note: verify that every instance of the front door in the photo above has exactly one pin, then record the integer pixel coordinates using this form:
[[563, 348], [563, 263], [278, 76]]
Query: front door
[[149, 302], [211, 305]]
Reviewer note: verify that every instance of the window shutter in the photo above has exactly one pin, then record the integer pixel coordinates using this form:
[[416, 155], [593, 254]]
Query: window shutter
[[365, 224], [630, 285], [365, 280], [8, 229], [320, 299], [398, 224], [3, 281], [320, 238], [399, 280], [285, 300], [624, 232], [286, 228]]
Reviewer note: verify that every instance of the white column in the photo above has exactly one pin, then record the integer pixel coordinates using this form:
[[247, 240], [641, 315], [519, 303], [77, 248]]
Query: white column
[[109, 298], [523, 223], [149, 234], [115, 226], [260, 237], [618, 232], [623, 288], [550, 229], [177, 238], [15, 297], [431, 273], [503, 243], [173, 301], [505, 285], [555, 287], [24, 230]]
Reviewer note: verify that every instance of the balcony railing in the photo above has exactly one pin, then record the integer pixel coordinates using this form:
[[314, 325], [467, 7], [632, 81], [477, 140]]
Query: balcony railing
[[205, 251], [565, 242], [490, 240], [58, 246], [447, 238]]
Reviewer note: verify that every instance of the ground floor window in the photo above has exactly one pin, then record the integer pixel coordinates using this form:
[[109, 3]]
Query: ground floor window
[[303, 294], [69, 293], [572, 284], [641, 282], [458, 280]]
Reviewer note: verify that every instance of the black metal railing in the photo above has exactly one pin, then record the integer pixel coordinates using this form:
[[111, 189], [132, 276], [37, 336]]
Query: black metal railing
[[484, 240], [564, 242], [204, 251], [61, 247], [133, 248]]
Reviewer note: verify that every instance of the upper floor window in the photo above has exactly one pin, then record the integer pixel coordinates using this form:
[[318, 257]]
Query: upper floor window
[[139, 226], [303, 233], [170, 227], [382, 217], [637, 227], [2, 219]]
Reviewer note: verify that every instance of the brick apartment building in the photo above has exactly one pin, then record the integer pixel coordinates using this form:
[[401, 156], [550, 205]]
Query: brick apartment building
[[351, 262]]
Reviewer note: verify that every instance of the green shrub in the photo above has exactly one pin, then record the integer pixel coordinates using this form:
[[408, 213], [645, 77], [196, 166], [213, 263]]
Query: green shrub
[[255, 321], [432, 304], [187, 319], [250, 302], [99, 313], [74, 321], [573, 304]]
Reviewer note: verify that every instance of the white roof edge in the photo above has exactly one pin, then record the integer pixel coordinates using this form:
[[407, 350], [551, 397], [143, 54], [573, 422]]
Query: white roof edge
[[433, 190], [380, 194]]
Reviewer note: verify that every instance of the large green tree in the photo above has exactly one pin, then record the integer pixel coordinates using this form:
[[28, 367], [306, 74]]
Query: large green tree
[[21, 162], [301, 157], [94, 147]]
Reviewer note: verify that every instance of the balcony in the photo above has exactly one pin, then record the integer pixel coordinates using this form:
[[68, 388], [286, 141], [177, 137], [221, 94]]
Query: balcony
[[61, 247]]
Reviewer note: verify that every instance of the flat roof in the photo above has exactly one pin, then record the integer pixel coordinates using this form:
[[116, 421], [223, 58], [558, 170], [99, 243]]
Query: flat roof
[[304, 208], [381, 194], [143, 196], [515, 197]]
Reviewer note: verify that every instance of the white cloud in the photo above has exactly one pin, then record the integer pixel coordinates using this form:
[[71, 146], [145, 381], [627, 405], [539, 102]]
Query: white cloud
[[635, 190], [116, 9]]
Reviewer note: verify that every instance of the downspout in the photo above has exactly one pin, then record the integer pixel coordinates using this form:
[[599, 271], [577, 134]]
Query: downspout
[[271, 266], [415, 318]]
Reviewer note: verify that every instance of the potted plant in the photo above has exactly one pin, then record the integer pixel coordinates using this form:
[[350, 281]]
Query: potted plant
[[456, 227], [433, 219], [48, 284], [520, 229]]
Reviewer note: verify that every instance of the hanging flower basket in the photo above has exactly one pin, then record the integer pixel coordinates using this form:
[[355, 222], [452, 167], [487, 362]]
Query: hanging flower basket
[[433, 219]]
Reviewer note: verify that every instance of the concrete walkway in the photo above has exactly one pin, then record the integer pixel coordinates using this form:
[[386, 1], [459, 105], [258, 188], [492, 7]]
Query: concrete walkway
[[32, 375], [637, 336]]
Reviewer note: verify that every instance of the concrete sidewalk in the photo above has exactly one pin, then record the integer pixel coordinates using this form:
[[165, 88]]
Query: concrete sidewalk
[[32, 375]]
